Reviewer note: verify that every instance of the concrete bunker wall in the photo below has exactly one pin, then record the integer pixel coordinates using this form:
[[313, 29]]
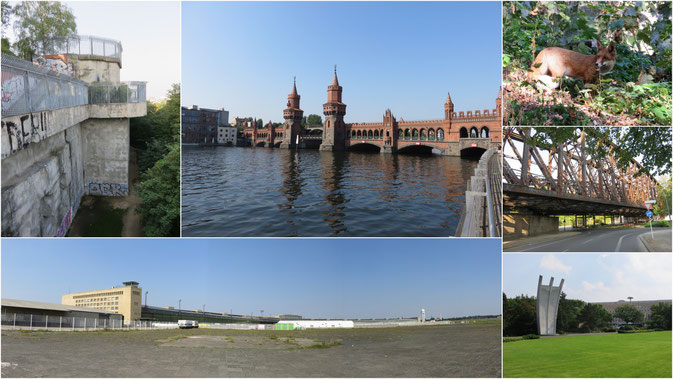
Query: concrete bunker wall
[[42, 186], [106, 145], [96, 69]]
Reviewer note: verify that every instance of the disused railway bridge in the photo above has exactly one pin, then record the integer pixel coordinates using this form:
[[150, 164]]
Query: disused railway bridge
[[568, 182]]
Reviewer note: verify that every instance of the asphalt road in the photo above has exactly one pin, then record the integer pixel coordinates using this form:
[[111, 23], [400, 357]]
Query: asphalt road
[[592, 240]]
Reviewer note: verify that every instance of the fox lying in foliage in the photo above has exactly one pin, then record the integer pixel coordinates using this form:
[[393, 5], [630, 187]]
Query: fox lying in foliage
[[555, 62]]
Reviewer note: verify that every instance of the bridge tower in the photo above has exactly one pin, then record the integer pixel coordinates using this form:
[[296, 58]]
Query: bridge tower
[[390, 130], [272, 133], [498, 102], [292, 115], [448, 108], [334, 128]]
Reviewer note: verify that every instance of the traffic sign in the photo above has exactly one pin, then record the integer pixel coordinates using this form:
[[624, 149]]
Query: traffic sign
[[648, 206], [649, 214]]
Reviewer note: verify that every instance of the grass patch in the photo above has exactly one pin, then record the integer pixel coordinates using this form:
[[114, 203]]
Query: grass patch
[[610, 356]]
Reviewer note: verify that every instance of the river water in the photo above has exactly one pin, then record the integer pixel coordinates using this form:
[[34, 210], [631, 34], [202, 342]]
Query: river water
[[262, 192]]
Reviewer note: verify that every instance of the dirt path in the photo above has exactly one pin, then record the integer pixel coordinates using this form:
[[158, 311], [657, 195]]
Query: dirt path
[[132, 220], [101, 216]]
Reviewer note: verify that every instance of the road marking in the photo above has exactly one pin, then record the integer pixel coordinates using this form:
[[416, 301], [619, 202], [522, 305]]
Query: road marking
[[535, 246], [619, 244], [587, 241]]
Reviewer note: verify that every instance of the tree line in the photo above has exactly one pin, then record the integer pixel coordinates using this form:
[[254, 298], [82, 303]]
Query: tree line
[[577, 316], [156, 137]]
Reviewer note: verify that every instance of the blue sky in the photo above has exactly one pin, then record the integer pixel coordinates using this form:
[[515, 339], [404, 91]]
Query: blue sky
[[311, 277], [404, 56], [591, 277]]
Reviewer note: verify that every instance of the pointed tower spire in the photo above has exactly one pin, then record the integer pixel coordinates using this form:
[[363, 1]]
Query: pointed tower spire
[[448, 107], [294, 86], [335, 81]]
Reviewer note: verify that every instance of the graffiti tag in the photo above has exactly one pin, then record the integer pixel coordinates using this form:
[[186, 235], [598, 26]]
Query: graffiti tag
[[108, 189]]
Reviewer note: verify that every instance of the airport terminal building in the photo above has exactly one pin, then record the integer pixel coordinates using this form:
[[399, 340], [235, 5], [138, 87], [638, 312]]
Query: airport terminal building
[[643, 306], [125, 300]]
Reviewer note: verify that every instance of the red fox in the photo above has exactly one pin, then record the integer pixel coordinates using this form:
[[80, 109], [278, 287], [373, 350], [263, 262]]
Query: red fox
[[555, 62]]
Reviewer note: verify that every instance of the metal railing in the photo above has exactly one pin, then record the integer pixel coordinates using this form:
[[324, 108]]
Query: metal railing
[[41, 322], [29, 88], [116, 93], [82, 45], [482, 216]]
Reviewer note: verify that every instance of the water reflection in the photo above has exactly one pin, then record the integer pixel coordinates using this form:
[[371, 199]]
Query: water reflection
[[272, 192]]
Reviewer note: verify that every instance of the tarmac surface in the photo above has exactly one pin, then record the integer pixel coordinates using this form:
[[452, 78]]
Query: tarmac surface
[[590, 240], [424, 351]]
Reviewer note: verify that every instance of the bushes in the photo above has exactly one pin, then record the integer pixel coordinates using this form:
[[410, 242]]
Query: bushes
[[659, 224], [635, 331], [521, 338]]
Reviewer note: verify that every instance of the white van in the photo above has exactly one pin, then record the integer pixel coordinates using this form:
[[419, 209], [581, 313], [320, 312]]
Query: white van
[[187, 324]]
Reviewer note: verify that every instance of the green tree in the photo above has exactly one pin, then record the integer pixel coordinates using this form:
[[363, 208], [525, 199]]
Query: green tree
[[519, 317], [594, 317], [628, 314], [651, 145], [661, 316], [160, 195], [664, 199], [314, 120], [41, 24], [568, 313], [153, 134], [6, 13]]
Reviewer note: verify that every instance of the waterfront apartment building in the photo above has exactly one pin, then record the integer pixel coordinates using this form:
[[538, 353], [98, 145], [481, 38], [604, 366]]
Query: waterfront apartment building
[[200, 126], [125, 300], [226, 135]]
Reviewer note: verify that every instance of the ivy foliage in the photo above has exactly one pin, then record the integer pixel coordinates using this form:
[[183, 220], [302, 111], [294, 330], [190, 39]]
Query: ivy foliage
[[636, 91]]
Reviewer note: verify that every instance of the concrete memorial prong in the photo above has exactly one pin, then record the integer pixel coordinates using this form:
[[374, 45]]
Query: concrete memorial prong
[[547, 306]]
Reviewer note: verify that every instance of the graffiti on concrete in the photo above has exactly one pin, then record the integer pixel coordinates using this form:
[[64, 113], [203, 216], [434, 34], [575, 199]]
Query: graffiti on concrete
[[108, 189], [23, 131], [58, 63], [12, 90], [65, 224]]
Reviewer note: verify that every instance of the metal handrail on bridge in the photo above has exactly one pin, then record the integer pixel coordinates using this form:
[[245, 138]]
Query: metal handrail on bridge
[[482, 216]]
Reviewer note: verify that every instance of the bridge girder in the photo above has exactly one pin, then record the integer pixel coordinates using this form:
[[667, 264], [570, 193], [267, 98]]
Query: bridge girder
[[570, 181]]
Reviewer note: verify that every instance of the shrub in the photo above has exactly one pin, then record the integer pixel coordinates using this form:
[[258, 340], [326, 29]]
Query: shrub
[[530, 337], [609, 330]]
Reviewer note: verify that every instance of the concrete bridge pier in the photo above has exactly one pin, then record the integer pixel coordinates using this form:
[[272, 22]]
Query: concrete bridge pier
[[388, 149]]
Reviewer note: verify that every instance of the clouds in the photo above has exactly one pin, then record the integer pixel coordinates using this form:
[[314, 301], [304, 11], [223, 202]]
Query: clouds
[[551, 262], [592, 277], [643, 276]]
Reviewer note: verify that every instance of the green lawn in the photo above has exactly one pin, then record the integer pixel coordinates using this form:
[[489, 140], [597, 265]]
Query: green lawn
[[608, 355]]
